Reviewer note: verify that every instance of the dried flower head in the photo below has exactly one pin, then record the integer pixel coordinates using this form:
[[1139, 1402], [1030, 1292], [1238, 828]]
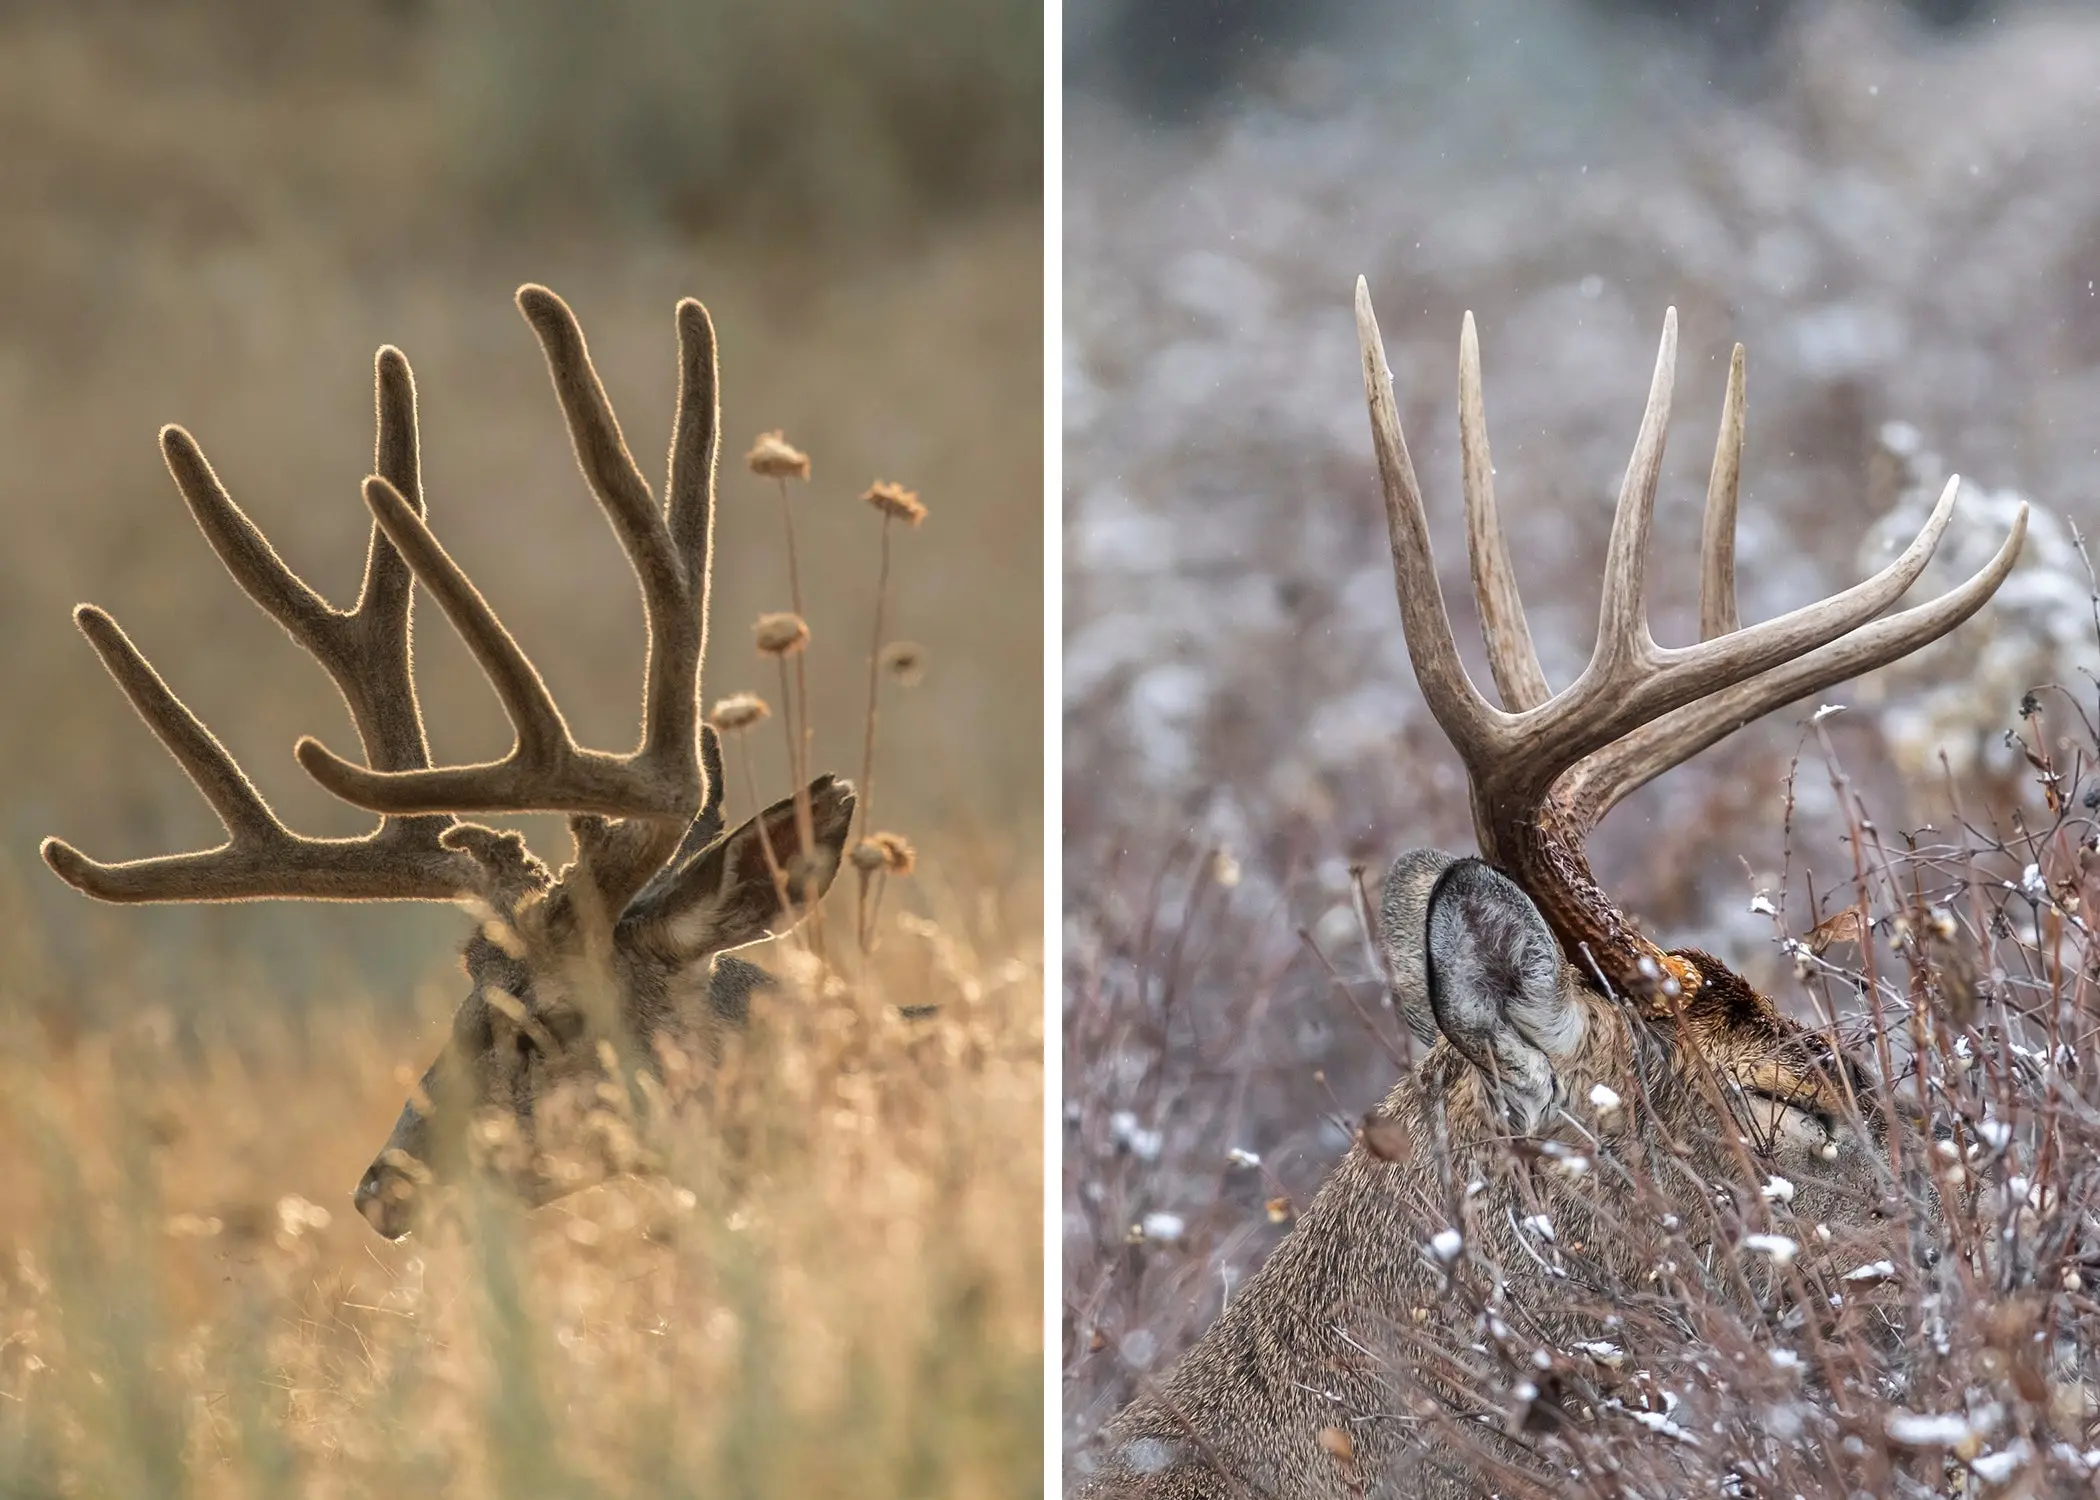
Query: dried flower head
[[898, 857], [776, 458], [896, 501], [738, 711], [905, 661], [781, 634], [868, 857]]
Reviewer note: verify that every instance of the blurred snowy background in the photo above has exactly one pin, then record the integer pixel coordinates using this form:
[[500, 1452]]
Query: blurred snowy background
[[1894, 206]]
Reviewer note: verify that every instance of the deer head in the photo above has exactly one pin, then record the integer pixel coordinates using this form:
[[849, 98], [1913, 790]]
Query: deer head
[[1550, 1020], [622, 940]]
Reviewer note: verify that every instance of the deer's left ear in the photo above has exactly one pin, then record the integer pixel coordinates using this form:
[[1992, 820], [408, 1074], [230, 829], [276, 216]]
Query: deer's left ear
[[727, 895], [1493, 973]]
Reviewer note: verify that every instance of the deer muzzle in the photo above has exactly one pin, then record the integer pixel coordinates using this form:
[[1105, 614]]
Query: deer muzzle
[[390, 1193], [387, 1197]]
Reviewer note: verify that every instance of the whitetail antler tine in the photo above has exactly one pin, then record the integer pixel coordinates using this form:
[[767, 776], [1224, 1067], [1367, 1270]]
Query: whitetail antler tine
[[195, 748], [1615, 772], [543, 741], [1512, 656], [1718, 615], [1622, 618], [1689, 672], [1467, 718], [240, 544]]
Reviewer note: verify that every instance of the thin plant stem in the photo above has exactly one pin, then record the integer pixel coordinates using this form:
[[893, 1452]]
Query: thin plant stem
[[864, 916], [805, 816], [787, 515], [867, 753], [799, 748]]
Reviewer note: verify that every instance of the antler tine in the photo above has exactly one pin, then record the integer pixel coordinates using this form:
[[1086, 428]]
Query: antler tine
[[696, 440], [1606, 778], [1717, 606], [386, 599], [1476, 728], [261, 857], [1622, 619], [1511, 655]]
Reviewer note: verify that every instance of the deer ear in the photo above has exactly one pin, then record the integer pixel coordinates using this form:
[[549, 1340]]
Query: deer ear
[[1403, 932], [1493, 977], [725, 896]]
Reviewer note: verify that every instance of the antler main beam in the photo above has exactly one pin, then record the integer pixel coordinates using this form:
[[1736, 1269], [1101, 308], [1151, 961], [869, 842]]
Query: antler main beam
[[1544, 769]]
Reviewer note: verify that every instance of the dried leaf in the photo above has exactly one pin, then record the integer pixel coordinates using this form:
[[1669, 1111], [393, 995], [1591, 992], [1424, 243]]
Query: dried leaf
[[1847, 926]]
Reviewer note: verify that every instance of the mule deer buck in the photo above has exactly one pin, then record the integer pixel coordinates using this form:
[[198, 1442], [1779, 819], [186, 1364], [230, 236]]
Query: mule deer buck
[[1557, 1035], [657, 893]]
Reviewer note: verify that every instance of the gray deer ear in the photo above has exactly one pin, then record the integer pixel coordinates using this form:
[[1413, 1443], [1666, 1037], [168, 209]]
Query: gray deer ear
[[725, 896], [1403, 930], [1493, 980]]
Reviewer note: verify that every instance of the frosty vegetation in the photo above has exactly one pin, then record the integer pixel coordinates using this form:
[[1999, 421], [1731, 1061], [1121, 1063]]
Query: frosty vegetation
[[1898, 229]]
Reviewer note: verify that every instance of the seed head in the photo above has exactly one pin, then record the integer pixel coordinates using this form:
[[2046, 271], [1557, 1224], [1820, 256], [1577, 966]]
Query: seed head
[[780, 635], [868, 857], [898, 856], [905, 661], [895, 500], [739, 711], [776, 458]]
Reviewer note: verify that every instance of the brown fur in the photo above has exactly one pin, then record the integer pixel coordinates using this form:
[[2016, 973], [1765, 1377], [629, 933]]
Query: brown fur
[[1332, 1332]]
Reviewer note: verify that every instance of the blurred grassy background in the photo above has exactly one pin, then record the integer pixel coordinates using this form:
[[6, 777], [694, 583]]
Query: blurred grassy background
[[215, 214]]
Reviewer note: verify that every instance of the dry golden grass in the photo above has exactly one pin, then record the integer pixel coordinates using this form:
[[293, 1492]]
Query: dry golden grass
[[834, 1284]]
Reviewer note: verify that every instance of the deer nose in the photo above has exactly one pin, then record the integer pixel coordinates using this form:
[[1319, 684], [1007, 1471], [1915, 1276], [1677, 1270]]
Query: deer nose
[[386, 1198]]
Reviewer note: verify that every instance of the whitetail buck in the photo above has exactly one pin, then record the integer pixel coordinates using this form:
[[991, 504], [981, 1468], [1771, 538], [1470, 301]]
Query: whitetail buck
[[1586, 1098], [622, 942]]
